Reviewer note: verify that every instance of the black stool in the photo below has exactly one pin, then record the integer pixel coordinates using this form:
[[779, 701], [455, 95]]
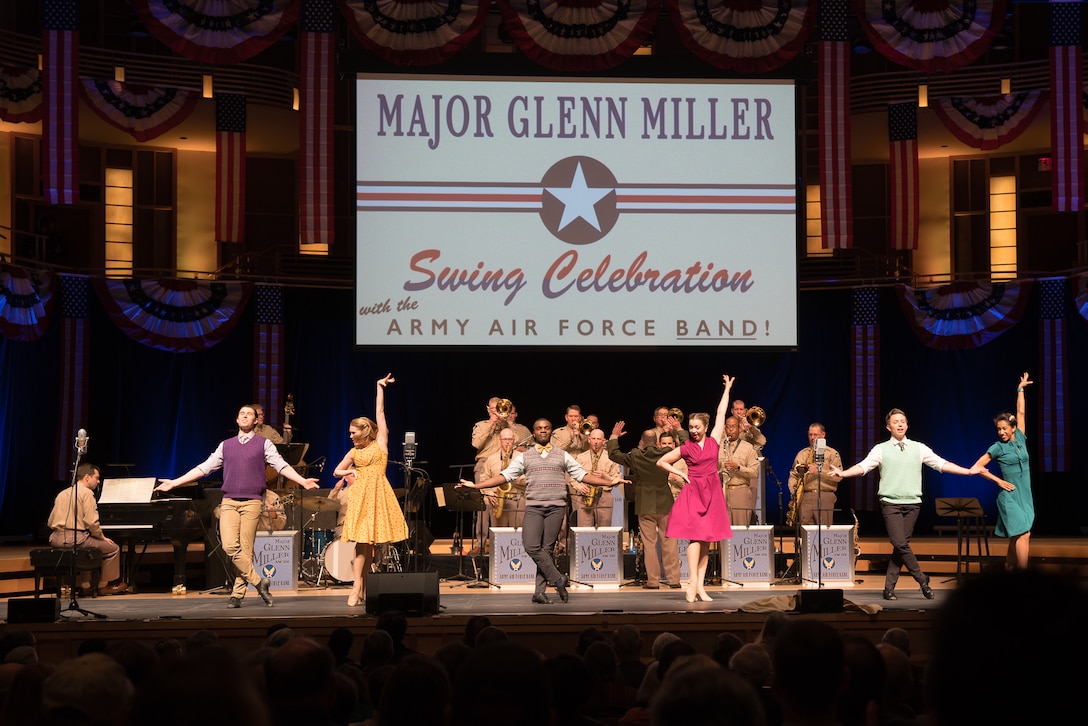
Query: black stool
[[62, 563]]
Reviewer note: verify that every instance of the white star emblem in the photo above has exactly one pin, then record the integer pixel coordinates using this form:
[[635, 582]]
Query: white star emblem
[[578, 199]]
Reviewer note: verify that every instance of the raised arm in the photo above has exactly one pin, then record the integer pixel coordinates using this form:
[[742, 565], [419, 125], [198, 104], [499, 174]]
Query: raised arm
[[723, 408], [1025, 380], [379, 413]]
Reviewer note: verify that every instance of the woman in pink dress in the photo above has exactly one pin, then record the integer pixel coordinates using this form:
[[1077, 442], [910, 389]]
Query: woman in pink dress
[[699, 513]]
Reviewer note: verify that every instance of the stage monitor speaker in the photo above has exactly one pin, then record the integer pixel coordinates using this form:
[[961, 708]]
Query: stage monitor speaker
[[34, 610], [819, 601], [413, 593]]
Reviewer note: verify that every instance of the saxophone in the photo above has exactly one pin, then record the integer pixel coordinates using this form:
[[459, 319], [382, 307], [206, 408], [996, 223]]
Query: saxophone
[[590, 500], [794, 511], [502, 490]]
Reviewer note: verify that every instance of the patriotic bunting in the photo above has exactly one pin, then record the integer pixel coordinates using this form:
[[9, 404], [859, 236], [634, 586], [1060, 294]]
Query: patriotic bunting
[[931, 36], [26, 302], [865, 386], [317, 45], [963, 315], [268, 344], [903, 135], [836, 188], [60, 116], [412, 33], [179, 316], [138, 110], [20, 95], [1066, 118], [1053, 377], [230, 167], [750, 37], [1080, 295], [218, 31], [75, 369], [992, 121], [589, 35]]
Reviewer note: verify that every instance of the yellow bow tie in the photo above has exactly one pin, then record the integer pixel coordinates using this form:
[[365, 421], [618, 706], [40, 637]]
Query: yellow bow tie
[[542, 448]]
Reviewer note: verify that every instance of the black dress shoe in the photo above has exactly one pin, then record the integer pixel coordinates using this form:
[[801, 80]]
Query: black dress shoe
[[674, 585], [263, 589], [542, 599], [927, 591], [561, 589], [234, 603], [890, 594]]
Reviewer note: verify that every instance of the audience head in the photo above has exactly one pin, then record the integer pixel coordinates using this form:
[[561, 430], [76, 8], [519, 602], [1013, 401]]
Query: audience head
[[473, 627], [401, 703], [90, 688], [898, 637], [809, 669], [984, 635], [699, 692], [864, 689], [489, 701], [300, 672], [339, 644], [490, 634], [627, 642], [752, 662], [725, 646], [586, 637], [660, 642], [395, 623], [377, 649]]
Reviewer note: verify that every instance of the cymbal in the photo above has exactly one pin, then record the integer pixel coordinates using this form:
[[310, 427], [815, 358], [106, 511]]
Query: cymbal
[[319, 504]]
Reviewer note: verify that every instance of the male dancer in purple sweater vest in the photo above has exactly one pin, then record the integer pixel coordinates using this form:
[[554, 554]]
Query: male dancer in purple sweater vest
[[242, 459]]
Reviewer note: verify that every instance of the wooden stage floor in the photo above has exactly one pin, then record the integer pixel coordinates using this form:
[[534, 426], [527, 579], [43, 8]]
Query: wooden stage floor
[[316, 611]]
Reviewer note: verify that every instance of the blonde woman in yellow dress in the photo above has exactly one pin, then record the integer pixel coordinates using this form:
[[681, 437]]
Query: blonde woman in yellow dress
[[373, 513]]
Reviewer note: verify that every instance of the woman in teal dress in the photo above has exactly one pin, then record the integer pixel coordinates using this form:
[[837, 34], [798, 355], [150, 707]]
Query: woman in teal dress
[[1015, 508]]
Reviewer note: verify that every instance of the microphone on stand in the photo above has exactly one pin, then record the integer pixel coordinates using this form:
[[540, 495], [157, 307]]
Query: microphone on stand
[[409, 447], [81, 441], [821, 445]]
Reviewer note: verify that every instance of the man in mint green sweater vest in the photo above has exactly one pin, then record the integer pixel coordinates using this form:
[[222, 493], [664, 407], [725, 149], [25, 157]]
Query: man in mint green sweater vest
[[900, 494]]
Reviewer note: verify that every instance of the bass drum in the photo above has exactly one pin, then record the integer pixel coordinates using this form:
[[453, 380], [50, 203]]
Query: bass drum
[[337, 557]]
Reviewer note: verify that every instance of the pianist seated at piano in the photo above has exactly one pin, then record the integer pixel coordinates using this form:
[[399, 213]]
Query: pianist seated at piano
[[243, 459], [76, 525]]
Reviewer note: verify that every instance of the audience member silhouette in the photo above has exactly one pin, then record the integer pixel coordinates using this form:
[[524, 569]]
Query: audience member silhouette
[[863, 696], [697, 691], [417, 693], [299, 683], [1007, 649], [809, 671], [485, 695], [627, 644]]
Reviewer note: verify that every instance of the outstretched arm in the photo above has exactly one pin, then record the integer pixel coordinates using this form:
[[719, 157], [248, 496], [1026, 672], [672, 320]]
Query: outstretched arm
[[723, 407], [1025, 380], [379, 413]]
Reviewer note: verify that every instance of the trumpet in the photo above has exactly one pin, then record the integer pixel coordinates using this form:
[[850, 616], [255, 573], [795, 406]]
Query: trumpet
[[586, 426], [504, 407], [677, 414], [756, 416]]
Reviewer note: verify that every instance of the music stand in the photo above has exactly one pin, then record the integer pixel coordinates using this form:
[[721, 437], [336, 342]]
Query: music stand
[[970, 522], [461, 500]]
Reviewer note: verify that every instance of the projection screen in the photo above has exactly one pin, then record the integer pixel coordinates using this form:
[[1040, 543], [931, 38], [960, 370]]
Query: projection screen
[[575, 212]]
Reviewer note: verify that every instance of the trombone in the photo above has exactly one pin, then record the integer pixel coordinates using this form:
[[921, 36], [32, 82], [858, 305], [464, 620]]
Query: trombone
[[504, 407]]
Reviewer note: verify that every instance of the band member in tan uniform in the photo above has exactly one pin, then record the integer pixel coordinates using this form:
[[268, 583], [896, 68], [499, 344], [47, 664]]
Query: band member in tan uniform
[[485, 439], [597, 461], [513, 500], [738, 464], [827, 485]]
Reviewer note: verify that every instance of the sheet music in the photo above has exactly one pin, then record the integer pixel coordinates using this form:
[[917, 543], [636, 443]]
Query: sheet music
[[134, 490]]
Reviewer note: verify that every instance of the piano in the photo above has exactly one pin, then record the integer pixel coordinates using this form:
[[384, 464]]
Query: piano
[[179, 520]]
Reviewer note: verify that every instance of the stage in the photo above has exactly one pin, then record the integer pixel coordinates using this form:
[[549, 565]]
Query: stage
[[154, 613]]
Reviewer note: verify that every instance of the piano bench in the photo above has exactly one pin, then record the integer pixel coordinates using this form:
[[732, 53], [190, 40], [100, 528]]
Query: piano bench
[[58, 563]]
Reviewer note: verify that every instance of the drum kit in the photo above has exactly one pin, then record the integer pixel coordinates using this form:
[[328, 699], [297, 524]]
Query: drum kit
[[327, 559]]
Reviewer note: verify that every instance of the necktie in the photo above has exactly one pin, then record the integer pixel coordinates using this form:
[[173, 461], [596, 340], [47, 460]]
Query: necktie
[[902, 445]]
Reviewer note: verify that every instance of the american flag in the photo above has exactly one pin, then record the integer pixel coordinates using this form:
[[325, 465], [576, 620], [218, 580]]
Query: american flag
[[75, 371], [1066, 118], [836, 211], [230, 167], [865, 385], [1053, 373], [268, 347], [60, 113], [318, 51], [903, 135]]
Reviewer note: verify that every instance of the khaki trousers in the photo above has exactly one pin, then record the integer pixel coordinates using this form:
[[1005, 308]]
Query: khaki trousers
[[238, 531]]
